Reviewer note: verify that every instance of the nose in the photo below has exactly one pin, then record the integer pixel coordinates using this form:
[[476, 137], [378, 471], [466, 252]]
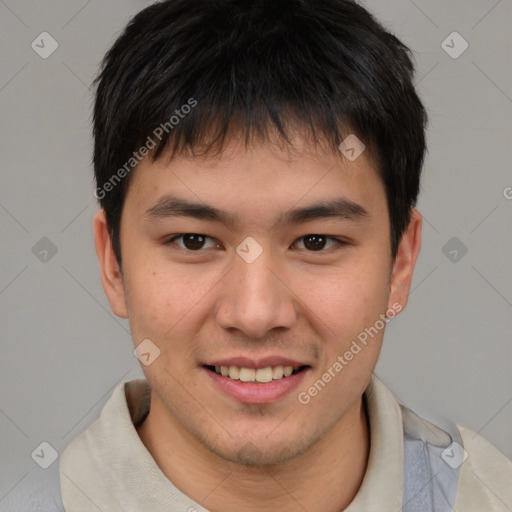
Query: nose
[[256, 298]]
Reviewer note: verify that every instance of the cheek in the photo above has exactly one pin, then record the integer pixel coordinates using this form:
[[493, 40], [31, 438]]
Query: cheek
[[348, 299], [166, 305], [160, 310], [151, 298]]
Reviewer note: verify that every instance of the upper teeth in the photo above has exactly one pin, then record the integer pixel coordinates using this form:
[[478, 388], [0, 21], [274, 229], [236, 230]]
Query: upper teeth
[[255, 375]]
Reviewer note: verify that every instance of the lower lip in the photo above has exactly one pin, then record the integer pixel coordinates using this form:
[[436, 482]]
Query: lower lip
[[256, 393]]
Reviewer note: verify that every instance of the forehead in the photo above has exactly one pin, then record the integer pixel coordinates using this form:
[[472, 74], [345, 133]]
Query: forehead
[[265, 174]]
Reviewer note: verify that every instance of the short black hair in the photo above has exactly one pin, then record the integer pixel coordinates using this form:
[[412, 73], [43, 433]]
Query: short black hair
[[185, 74]]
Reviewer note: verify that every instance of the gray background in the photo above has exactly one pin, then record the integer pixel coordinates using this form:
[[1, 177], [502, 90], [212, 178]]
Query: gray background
[[62, 351]]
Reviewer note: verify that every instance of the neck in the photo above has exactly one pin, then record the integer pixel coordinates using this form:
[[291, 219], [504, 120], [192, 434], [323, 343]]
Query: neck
[[326, 477]]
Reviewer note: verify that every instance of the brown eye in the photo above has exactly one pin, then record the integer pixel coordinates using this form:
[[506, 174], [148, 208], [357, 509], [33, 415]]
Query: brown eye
[[191, 241], [314, 242], [317, 243]]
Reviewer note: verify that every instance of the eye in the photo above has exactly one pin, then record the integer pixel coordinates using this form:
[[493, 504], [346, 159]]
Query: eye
[[194, 242], [191, 241], [318, 243]]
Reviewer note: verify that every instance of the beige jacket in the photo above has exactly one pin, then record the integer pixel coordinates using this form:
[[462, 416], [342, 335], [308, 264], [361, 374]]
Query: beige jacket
[[108, 468]]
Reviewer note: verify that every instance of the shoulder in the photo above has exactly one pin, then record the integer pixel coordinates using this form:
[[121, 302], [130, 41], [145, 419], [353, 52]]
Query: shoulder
[[35, 494], [480, 475], [485, 476]]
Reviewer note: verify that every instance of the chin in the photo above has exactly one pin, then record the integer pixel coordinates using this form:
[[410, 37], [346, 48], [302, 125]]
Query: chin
[[261, 453]]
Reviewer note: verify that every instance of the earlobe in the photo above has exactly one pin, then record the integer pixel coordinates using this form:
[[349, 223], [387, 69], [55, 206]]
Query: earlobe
[[111, 276], [405, 261]]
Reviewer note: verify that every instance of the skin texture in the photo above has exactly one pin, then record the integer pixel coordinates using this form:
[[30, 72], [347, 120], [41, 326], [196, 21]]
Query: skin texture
[[307, 305]]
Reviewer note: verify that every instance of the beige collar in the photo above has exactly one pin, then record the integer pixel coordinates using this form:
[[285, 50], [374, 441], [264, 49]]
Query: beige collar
[[108, 463]]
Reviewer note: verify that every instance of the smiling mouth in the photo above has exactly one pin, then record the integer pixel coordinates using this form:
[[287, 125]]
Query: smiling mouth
[[256, 375]]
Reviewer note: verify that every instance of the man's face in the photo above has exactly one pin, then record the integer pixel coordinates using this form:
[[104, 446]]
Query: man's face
[[281, 298]]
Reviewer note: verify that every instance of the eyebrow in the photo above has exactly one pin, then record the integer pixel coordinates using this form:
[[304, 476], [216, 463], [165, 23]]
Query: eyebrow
[[341, 208]]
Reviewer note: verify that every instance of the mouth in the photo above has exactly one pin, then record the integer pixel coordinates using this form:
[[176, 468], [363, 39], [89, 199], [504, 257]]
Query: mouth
[[262, 383], [256, 375]]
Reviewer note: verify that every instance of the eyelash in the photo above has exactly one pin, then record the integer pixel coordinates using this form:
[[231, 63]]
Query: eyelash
[[339, 242]]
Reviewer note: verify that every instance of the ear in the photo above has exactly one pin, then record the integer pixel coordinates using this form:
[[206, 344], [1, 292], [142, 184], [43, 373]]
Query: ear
[[111, 276], [405, 261]]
